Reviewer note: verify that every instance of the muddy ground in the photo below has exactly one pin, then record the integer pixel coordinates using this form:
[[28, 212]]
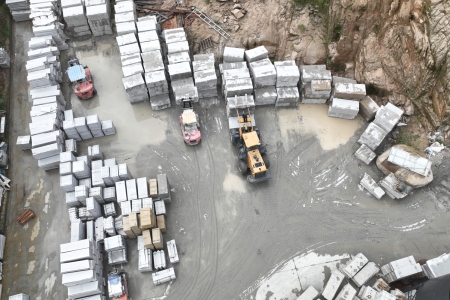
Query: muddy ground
[[231, 236]]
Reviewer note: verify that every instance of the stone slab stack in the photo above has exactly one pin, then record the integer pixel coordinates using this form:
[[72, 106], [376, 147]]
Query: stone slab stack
[[98, 13], [205, 75], [130, 52], [82, 268], [153, 64], [179, 66], [401, 268], [74, 14], [20, 9], [44, 76], [5, 60], [264, 76], [288, 76], [315, 84], [125, 17], [437, 267], [236, 79]]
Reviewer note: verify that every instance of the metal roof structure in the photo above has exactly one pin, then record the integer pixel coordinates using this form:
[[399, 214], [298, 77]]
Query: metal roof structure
[[189, 117], [416, 164], [76, 73]]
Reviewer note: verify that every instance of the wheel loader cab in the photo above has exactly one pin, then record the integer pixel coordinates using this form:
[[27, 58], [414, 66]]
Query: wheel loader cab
[[256, 163]]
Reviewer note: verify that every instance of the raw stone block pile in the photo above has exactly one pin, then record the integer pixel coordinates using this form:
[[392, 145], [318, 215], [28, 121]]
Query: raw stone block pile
[[98, 13], [179, 66], [75, 18], [236, 80], [20, 9], [315, 84], [205, 75], [46, 139]]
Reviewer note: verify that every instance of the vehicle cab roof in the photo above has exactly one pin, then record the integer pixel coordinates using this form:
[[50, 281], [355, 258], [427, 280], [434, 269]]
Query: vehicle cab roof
[[76, 73]]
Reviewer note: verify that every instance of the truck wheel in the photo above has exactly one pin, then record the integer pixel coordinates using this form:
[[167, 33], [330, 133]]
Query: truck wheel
[[265, 157], [242, 167]]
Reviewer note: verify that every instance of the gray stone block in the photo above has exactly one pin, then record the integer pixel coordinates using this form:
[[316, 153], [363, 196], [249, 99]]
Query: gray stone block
[[350, 91], [287, 75], [256, 54], [180, 71], [368, 108], [231, 54], [372, 136], [265, 96], [365, 154]]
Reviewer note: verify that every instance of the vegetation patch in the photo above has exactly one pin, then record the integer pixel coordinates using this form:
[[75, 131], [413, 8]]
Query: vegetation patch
[[322, 5]]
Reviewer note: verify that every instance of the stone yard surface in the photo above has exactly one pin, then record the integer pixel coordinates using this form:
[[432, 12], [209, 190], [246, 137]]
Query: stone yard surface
[[232, 237]]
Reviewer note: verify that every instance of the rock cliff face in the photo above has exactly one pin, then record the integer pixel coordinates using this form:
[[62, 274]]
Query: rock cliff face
[[398, 48]]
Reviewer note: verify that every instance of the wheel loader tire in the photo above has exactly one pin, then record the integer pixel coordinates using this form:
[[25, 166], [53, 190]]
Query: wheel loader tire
[[265, 157], [242, 167]]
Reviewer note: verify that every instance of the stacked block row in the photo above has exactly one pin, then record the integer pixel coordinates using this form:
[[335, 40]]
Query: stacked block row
[[74, 12], [179, 66], [205, 75], [98, 13]]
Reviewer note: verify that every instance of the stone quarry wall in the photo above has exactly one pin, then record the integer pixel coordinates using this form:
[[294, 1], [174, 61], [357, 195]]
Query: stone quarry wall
[[398, 48]]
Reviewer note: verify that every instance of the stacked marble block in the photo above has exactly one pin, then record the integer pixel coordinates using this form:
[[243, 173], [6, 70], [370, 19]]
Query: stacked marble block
[[287, 93], [179, 66], [205, 75], [263, 75], [98, 13], [125, 17], [236, 80], [154, 67], [47, 140], [345, 99], [74, 14], [130, 52], [47, 28], [20, 9], [315, 84]]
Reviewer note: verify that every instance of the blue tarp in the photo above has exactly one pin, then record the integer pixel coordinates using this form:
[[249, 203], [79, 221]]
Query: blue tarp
[[76, 73]]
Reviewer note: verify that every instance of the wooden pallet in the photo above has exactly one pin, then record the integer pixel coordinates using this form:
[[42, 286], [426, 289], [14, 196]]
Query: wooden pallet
[[26, 216]]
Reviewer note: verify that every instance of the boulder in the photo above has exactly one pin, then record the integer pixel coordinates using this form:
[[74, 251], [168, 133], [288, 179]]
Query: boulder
[[412, 179]]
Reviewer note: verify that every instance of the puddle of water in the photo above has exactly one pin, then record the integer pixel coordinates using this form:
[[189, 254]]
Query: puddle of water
[[234, 183], [313, 119], [136, 125]]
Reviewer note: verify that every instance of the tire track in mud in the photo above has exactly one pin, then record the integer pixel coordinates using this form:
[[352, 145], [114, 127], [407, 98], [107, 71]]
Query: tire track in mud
[[213, 249], [193, 282]]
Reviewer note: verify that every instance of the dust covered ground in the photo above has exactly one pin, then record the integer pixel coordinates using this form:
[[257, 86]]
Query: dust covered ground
[[235, 240]]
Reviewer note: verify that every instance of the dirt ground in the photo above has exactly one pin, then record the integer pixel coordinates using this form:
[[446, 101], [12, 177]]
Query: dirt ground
[[5, 22], [232, 237]]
